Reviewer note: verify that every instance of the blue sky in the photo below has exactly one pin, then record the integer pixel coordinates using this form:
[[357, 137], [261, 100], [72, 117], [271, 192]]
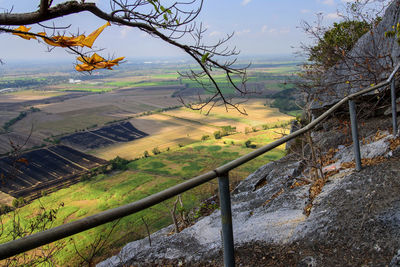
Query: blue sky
[[262, 27]]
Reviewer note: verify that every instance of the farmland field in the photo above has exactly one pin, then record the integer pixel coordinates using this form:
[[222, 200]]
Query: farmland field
[[104, 136], [144, 177], [125, 114], [43, 168], [29, 95], [183, 126]]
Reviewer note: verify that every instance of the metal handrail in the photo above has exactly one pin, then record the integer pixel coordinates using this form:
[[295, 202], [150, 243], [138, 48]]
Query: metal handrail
[[45, 237]]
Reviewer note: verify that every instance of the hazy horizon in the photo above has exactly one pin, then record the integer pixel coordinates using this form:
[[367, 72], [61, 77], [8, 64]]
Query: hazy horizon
[[260, 27]]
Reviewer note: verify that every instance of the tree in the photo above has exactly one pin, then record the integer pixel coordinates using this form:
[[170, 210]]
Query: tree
[[331, 50], [337, 42], [334, 67], [169, 23]]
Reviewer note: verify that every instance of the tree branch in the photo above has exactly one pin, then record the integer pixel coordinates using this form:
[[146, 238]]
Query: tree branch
[[163, 24], [44, 7]]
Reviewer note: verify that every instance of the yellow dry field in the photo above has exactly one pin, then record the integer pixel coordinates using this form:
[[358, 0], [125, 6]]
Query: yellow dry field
[[184, 126], [164, 131], [141, 77], [258, 114], [27, 95], [6, 199]]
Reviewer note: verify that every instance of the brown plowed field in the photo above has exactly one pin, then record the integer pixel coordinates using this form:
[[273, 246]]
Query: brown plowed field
[[42, 169]]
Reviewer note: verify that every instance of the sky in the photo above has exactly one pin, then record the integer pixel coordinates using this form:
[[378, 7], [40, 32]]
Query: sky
[[261, 27]]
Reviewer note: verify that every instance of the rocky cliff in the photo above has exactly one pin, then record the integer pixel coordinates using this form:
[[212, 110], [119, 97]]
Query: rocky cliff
[[370, 61]]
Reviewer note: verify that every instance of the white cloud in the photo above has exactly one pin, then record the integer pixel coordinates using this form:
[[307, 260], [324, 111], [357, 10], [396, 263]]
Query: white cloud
[[305, 11], [242, 32], [264, 28], [272, 30], [332, 16], [245, 2], [124, 31], [214, 33], [284, 30], [328, 2]]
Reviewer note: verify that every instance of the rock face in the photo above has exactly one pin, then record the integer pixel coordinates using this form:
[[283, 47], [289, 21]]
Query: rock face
[[354, 221], [382, 55], [255, 218]]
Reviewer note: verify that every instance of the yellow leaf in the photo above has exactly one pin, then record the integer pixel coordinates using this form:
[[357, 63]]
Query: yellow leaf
[[89, 40], [24, 29], [95, 58], [84, 67], [96, 62], [117, 60], [51, 41], [84, 59]]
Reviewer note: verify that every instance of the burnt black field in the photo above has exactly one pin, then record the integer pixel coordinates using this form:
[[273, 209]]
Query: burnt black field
[[105, 136], [43, 168]]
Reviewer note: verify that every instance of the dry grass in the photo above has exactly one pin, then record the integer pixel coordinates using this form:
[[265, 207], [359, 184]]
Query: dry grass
[[258, 114], [164, 132], [182, 127], [15, 97]]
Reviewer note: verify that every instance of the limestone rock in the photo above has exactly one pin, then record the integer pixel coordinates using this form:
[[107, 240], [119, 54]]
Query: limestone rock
[[335, 85]]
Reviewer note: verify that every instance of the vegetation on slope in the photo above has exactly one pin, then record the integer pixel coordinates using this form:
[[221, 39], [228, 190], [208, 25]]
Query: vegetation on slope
[[141, 178]]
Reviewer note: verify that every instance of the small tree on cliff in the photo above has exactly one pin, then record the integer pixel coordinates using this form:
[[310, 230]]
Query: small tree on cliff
[[167, 20], [331, 53], [331, 50]]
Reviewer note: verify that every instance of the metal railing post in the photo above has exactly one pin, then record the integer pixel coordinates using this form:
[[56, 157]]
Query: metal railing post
[[226, 220], [354, 134], [394, 107]]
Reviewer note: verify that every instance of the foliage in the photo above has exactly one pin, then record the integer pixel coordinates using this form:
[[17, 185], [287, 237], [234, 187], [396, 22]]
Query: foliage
[[248, 144], [205, 137], [18, 226], [119, 163], [337, 41], [225, 130], [217, 135], [18, 202], [156, 151], [394, 33]]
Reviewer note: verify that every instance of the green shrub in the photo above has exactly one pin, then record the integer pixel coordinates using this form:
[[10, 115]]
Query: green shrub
[[205, 137], [217, 135], [119, 163], [248, 144], [156, 151], [18, 202]]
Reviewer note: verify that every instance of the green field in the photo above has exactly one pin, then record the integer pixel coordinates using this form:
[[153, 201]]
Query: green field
[[143, 177], [146, 176]]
